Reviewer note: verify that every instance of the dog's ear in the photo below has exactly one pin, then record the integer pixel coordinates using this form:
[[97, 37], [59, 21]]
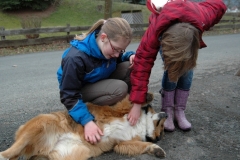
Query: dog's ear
[[149, 97], [146, 107]]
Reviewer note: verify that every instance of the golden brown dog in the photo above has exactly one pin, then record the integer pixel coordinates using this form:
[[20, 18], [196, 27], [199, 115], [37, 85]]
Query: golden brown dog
[[56, 136]]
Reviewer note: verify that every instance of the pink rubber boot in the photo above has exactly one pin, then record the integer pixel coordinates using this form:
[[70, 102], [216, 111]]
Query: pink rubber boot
[[167, 107], [181, 97]]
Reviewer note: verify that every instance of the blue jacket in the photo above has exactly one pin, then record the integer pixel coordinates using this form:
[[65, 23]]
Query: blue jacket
[[83, 63]]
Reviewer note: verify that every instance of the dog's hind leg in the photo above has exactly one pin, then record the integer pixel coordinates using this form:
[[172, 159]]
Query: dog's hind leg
[[79, 152], [133, 148], [73, 152], [14, 151], [39, 157], [28, 136]]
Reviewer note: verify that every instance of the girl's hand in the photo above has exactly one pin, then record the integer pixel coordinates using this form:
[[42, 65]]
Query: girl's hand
[[134, 114], [92, 133], [131, 60]]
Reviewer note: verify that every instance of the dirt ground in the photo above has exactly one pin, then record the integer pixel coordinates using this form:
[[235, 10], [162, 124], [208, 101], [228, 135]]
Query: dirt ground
[[25, 13]]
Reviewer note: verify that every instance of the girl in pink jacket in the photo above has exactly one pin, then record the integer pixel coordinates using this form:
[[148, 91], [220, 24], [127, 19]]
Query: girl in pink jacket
[[175, 30]]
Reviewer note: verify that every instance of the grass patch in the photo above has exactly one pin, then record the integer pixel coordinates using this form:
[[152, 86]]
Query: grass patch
[[75, 13], [9, 21]]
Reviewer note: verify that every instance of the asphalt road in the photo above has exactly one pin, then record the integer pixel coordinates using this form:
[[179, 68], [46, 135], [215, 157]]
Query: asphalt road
[[29, 86]]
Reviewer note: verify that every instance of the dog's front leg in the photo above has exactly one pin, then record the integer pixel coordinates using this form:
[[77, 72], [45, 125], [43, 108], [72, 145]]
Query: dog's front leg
[[133, 148]]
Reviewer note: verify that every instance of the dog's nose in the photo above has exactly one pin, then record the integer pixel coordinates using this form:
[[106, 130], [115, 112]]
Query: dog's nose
[[166, 116], [163, 115]]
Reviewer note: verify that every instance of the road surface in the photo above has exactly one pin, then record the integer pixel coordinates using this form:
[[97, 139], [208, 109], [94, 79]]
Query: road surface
[[29, 87]]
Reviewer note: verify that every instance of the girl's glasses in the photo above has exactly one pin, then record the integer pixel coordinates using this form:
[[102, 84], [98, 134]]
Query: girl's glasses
[[115, 50]]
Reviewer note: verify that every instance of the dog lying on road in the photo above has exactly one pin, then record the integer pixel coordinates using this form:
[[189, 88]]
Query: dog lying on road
[[56, 136]]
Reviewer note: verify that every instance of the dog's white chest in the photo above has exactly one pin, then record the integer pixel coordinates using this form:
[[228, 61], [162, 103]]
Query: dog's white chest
[[122, 130]]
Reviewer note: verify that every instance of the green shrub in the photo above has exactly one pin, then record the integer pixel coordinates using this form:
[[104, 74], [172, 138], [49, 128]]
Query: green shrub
[[9, 4], [36, 4], [26, 4], [31, 22]]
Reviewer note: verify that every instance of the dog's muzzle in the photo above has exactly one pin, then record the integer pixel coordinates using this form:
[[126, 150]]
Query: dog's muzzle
[[162, 115]]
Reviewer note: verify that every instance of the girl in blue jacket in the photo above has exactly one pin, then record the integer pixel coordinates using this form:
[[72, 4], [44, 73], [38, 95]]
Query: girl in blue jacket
[[96, 69]]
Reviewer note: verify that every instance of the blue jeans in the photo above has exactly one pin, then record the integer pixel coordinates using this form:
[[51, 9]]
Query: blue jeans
[[184, 82]]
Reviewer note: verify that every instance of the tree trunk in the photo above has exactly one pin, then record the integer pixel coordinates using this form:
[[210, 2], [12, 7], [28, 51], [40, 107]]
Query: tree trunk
[[108, 9]]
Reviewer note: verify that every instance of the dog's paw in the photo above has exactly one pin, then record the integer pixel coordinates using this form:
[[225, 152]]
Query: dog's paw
[[158, 151], [149, 97]]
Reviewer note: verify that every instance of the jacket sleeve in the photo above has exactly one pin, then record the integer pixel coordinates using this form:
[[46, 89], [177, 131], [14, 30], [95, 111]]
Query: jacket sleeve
[[143, 63], [71, 84], [211, 12], [125, 56]]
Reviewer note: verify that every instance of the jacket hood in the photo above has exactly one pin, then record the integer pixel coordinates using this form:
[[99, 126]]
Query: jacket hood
[[155, 5], [89, 46]]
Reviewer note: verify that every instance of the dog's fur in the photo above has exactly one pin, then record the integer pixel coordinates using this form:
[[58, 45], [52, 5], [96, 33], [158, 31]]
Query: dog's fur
[[56, 136]]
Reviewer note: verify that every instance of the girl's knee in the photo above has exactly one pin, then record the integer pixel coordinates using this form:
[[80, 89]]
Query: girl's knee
[[121, 90]]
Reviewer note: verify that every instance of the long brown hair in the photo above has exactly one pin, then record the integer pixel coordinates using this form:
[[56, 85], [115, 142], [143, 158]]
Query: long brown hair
[[180, 44], [115, 28]]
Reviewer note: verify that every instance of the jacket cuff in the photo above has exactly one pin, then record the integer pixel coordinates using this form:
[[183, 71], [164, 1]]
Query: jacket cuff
[[85, 121], [127, 55], [80, 113], [138, 97]]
